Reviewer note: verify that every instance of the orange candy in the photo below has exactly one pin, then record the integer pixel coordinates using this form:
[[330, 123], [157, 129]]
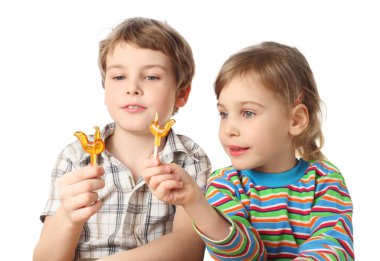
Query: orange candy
[[159, 132], [95, 147]]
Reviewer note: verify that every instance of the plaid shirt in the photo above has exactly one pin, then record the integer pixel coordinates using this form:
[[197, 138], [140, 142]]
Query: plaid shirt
[[131, 215]]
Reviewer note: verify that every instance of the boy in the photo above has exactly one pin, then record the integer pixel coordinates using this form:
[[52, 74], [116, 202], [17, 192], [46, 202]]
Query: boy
[[108, 211]]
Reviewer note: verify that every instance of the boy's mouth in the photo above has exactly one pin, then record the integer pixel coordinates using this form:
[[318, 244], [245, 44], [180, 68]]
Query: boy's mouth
[[134, 107]]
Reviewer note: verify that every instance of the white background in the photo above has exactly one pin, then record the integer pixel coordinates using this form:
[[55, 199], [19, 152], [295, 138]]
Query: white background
[[50, 87]]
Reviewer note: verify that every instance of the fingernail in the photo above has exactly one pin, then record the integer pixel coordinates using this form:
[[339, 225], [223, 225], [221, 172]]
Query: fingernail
[[101, 170]]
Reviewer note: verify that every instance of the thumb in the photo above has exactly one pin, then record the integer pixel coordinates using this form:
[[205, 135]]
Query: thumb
[[178, 170], [155, 161]]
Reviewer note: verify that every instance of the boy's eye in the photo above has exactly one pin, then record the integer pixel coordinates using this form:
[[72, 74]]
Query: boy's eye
[[119, 78], [248, 114], [223, 114], [151, 77]]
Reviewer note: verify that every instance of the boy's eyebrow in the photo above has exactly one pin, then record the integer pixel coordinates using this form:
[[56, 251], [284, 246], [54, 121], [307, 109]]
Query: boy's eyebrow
[[148, 66], [116, 66]]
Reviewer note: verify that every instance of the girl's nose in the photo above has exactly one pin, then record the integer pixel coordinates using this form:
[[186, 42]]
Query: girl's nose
[[231, 129]]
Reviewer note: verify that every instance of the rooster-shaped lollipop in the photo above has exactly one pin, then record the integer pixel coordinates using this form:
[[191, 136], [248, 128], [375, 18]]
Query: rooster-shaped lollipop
[[93, 148], [159, 132]]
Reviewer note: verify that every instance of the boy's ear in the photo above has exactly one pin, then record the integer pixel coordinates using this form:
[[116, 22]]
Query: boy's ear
[[182, 96], [299, 119]]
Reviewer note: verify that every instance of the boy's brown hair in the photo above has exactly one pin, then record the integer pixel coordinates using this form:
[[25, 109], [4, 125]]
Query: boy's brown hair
[[285, 71], [151, 34]]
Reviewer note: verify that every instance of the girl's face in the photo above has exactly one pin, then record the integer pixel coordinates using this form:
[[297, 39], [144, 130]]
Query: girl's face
[[139, 83], [254, 127]]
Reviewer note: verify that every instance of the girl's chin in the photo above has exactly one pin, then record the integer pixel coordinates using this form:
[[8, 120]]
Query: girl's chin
[[240, 165]]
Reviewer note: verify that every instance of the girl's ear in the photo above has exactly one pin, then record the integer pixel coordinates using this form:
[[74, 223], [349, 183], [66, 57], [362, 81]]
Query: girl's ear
[[182, 96], [299, 119]]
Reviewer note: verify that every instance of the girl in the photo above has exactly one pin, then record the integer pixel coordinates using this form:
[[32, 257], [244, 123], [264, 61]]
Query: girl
[[281, 199]]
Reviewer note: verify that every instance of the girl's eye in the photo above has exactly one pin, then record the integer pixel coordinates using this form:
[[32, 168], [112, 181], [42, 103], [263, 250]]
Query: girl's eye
[[151, 77], [248, 114], [223, 114], [119, 78]]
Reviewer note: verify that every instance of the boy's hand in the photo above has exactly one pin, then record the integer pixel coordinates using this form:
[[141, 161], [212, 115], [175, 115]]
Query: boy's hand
[[170, 183], [79, 201]]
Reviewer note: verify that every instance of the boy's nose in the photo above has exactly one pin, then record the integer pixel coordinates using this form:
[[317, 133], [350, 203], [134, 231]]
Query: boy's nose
[[133, 89], [135, 92]]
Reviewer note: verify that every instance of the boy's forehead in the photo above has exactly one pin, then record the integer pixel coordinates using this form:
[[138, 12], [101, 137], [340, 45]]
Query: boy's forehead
[[126, 53], [126, 45]]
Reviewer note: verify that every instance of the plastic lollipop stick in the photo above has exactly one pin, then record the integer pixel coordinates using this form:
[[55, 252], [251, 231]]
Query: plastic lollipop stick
[[159, 132], [95, 147]]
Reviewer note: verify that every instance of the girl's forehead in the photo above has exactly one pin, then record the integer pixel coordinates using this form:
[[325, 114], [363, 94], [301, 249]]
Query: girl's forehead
[[246, 89], [244, 85]]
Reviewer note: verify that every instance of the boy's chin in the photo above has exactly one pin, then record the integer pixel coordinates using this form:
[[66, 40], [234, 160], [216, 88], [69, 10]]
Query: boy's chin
[[135, 129]]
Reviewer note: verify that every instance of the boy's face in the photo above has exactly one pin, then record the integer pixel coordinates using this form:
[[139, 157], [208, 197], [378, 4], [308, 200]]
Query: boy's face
[[254, 127], [139, 83]]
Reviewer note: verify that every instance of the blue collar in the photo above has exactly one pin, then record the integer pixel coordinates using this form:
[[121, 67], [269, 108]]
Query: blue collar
[[280, 179]]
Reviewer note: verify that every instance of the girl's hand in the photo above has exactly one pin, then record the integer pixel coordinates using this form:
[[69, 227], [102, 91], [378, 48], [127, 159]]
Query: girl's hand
[[79, 201], [169, 182]]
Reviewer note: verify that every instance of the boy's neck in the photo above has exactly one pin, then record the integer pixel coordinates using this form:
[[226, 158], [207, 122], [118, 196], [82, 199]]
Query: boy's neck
[[132, 149]]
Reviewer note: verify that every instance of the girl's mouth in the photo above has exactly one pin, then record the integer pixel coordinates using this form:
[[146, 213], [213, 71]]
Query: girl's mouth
[[237, 151]]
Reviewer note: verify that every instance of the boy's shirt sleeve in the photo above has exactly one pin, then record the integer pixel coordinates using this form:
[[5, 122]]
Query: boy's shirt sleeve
[[243, 241], [199, 170], [330, 222], [183, 151]]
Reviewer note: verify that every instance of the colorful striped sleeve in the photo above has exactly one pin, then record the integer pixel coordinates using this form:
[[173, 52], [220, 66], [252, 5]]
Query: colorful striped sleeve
[[330, 219], [243, 242]]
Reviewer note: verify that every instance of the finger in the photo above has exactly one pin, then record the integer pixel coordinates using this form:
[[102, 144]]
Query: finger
[[168, 186], [84, 186], [156, 180], [80, 201], [88, 172], [178, 170], [83, 214], [151, 162], [155, 161], [148, 173]]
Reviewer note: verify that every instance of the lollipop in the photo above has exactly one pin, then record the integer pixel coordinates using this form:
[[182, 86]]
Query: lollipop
[[94, 148], [159, 132]]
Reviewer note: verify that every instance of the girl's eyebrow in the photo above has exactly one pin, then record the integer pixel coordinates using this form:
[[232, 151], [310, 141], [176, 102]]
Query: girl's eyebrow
[[251, 103], [242, 103], [218, 104]]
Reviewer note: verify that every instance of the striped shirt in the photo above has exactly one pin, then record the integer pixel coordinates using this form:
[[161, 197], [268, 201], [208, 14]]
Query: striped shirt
[[131, 215], [301, 214]]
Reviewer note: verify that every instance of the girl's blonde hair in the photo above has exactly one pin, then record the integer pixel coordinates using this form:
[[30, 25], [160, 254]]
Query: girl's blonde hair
[[285, 71], [151, 34]]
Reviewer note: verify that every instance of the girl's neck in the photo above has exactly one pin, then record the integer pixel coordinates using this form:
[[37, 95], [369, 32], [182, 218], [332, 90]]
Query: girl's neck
[[284, 160], [279, 165]]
